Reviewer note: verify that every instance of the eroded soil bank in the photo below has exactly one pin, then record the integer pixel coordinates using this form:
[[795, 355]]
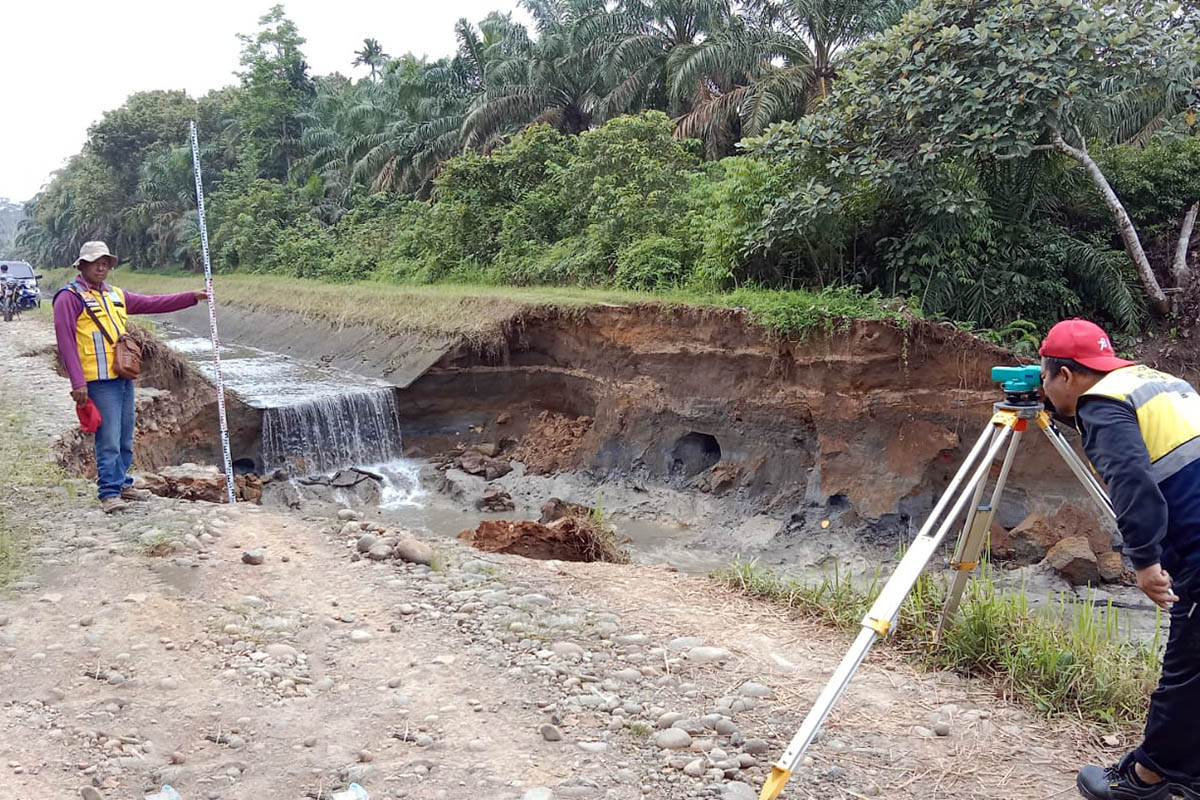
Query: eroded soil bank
[[803, 452]]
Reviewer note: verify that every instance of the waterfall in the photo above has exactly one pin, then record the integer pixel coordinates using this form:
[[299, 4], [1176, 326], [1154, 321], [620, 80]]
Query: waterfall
[[329, 433]]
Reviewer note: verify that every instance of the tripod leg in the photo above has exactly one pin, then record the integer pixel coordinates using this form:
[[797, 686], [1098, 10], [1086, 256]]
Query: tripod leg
[[974, 534], [880, 618]]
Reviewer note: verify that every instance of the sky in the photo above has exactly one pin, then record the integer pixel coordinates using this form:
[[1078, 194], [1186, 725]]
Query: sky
[[63, 63]]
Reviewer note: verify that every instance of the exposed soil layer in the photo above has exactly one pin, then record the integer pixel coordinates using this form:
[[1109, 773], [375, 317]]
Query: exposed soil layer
[[567, 539], [863, 426]]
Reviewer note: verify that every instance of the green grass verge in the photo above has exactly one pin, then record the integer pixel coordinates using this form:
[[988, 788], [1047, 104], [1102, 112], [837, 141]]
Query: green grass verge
[[1063, 659], [481, 313], [28, 472]]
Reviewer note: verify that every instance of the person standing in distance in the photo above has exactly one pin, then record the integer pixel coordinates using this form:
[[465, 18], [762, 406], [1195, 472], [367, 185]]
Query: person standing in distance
[[1141, 431], [89, 317]]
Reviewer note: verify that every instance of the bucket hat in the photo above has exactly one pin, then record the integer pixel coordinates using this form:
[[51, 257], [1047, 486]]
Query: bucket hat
[[92, 251]]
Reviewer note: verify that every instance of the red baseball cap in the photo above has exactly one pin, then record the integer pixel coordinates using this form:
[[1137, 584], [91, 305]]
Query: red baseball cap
[[1082, 341], [89, 416]]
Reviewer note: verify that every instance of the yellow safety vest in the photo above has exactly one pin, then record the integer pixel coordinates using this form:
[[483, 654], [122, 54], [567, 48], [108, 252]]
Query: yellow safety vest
[[1168, 414], [95, 351]]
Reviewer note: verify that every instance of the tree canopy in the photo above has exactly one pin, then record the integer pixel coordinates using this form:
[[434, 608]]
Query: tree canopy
[[990, 162]]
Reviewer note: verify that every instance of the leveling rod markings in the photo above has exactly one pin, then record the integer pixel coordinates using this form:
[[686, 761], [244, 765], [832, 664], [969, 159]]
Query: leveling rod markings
[[212, 319]]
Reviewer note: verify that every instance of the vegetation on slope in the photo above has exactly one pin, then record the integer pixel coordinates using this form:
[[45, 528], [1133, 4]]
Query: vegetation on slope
[[959, 153]]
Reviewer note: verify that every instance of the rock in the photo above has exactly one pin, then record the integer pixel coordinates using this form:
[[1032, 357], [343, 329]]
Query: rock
[[90, 793], [115, 679], [694, 768], [359, 636], [489, 449], [460, 486], [567, 650], [496, 500], [736, 790], [756, 747], [538, 793], [1074, 560], [1027, 543], [503, 418], [254, 557], [348, 515], [669, 719], [189, 482], [922, 732], [708, 655], [380, 552], [351, 528], [751, 689], [551, 733], [414, 551], [595, 748], [1112, 566], [366, 542], [555, 509], [169, 684], [684, 642], [673, 739], [941, 728], [366, 756], [283, 652], [474, 462]]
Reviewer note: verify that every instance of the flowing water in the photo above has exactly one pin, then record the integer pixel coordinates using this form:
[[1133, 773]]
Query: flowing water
[[316, 420], [323, 435]]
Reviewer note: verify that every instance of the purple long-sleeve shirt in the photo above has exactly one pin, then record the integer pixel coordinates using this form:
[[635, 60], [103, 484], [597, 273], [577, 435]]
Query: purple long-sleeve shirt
[[68, 307]]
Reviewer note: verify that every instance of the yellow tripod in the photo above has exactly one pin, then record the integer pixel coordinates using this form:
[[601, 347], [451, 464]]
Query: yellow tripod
[[1009, 422]]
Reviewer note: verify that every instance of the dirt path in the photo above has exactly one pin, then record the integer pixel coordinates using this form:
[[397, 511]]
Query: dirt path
[[491, 677]]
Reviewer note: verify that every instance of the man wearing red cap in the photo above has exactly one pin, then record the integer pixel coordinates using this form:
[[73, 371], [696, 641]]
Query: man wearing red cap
[[1141, 430]]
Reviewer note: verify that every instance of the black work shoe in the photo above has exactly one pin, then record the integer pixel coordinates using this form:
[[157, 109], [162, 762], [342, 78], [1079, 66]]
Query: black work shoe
[[1119, 782], [1191, 792]]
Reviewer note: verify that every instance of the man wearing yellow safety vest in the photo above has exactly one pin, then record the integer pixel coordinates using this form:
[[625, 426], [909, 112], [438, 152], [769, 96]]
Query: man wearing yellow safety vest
[[1141, 431], [89, 318]]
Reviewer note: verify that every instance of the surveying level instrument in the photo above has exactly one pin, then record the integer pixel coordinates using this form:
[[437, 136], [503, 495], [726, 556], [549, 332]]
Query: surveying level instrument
[[1010, 419]]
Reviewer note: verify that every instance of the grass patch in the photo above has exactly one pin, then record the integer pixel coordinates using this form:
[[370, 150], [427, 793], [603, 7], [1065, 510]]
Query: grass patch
[[26, 468], [1062, 659], [482, 313]]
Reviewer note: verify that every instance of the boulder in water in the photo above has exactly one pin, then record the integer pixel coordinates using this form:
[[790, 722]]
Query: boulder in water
[[474, 462], [556, 509], [495, 499]]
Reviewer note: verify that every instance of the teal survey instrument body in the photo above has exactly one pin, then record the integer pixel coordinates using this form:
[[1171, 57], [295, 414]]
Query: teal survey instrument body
[[967, 491]]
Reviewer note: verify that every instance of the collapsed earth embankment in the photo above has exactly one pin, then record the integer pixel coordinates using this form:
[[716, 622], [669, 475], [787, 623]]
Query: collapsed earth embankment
[[847, 433]]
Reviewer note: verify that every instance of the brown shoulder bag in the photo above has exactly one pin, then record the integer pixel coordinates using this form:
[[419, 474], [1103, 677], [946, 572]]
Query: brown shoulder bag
[[127, 353]]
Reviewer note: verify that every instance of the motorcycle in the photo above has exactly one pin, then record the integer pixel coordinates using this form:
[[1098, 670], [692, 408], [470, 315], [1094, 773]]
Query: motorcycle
[[9, 294], [19, 289]]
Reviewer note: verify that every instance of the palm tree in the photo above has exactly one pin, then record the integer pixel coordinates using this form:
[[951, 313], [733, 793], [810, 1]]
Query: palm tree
[[772, 62], [647, 33], [557, 80], [371, 55]]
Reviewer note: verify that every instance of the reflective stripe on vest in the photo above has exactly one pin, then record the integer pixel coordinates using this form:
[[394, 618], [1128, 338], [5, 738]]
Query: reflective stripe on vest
[[95, 352], [1168, 414]]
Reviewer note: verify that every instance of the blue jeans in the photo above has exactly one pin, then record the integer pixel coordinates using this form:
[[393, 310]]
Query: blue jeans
[[114, 440]]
